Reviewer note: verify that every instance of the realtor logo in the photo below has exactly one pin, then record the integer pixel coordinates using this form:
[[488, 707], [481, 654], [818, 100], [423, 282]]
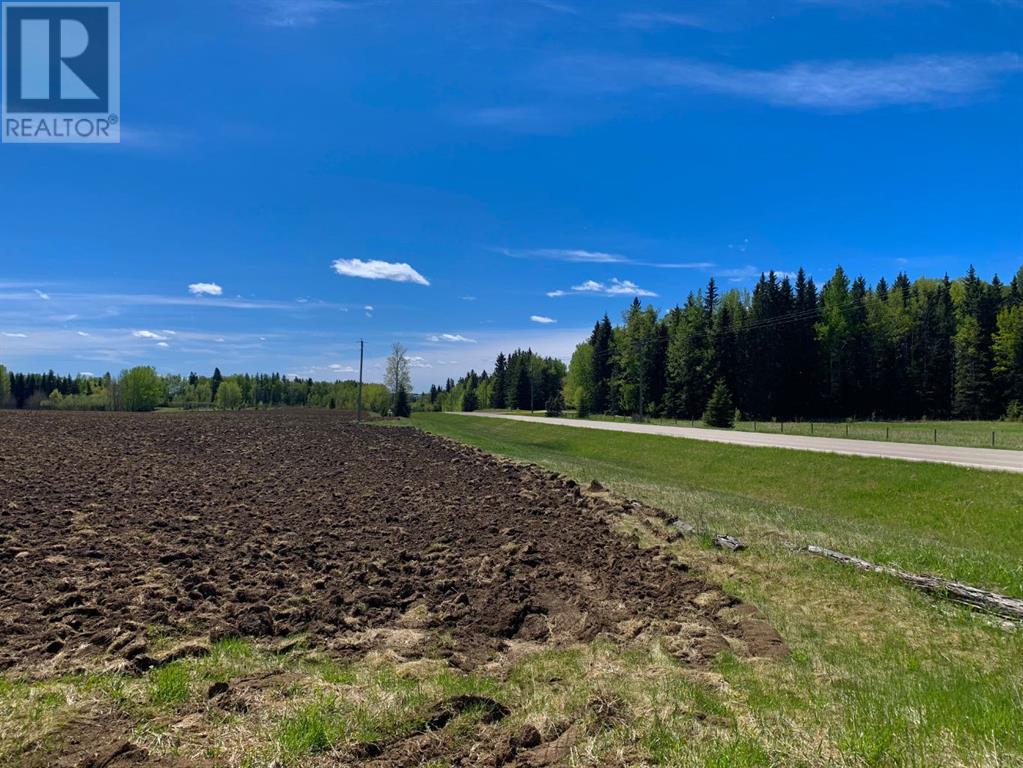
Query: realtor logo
[[61, 73]]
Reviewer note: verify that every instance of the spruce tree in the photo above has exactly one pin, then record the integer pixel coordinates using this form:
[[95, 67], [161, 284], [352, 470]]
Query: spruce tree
[[720, 409], [602, 366]]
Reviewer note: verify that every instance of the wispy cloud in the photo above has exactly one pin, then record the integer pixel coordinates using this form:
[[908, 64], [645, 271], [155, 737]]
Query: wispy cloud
[[41, 295], [205, 289], [577, 255], [581, 256], [379, 270], [296, 13], [539, 118], [839, 86], [594, 288], [14, 335], [542, 320], [555, 7], [450, 338], [154, 138], [149, 335], [652, 19]]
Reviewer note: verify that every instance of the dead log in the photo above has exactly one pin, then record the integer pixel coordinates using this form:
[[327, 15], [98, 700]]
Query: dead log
[[978, 599], [729, 542]]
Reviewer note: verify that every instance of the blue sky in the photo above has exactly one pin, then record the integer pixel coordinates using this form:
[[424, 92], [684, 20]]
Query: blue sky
[[465, 176]]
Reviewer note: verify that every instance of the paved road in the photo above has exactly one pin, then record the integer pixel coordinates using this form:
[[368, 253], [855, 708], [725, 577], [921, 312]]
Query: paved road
[[980, 458]]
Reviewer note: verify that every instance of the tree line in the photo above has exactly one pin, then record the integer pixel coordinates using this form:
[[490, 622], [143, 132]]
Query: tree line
[[929, 348], [521, 381], [143, 389]]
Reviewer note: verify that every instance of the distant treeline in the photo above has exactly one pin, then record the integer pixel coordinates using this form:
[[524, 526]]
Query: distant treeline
[[522, 381], [933, 348], [142, 389]]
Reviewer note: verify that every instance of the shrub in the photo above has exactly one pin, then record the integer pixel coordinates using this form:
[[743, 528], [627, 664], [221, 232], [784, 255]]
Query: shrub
[[1014, 412]]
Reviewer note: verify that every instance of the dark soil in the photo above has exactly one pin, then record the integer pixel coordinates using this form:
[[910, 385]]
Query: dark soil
[[268, 524]]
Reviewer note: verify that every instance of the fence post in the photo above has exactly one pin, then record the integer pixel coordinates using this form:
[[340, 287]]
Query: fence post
[[887, 434], [811, 428], [783, 427], [992, 438], [935, 436], [847, 430], [754, 426]]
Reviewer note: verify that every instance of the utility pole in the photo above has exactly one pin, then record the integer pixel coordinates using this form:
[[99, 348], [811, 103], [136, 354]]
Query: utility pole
[[640, 348], [362, 349]]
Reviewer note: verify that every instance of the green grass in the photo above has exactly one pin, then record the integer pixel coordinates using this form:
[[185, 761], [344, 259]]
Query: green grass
[[966, 434], [952, 521]]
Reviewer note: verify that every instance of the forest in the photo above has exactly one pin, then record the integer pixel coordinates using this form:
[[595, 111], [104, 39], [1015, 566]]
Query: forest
[[924, 349], [143, 389]]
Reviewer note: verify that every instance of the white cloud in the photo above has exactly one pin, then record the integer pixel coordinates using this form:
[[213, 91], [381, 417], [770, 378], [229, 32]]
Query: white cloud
[[614, 288], [379, 270], [82, 333], [205, 289], [148, 335], [418, 362], [368, 307], [41, 295], [837, 86], [451, 338], [163, 344], [468, 298], [542, 320], [339, 368], [15, 335]]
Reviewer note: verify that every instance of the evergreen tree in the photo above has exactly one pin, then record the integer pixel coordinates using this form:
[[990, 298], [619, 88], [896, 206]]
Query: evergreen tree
[[499, 394], [402, 409], [215, 383], [689, 361], [603, 365], [720, 410]]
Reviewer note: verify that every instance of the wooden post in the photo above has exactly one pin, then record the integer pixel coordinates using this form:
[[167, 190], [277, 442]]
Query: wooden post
[[362, 349]]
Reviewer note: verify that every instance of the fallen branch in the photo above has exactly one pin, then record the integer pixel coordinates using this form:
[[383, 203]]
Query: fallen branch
[[978, 599]]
